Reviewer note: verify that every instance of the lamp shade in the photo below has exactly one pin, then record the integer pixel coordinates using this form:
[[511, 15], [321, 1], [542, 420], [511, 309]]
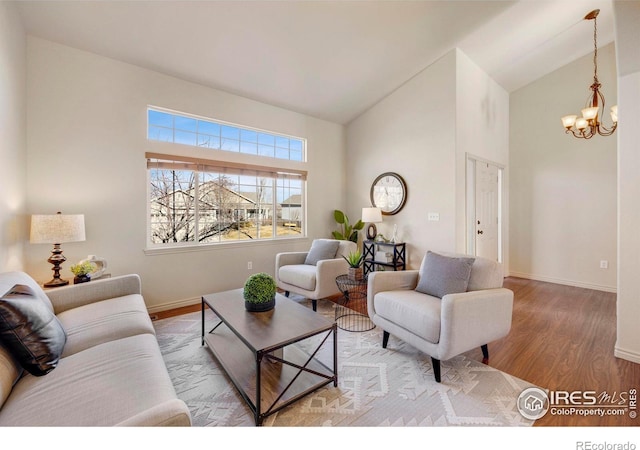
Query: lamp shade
[[371, 215], [57, 228]]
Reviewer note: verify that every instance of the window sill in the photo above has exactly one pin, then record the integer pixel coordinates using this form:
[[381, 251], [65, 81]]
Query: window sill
[[186, 248]]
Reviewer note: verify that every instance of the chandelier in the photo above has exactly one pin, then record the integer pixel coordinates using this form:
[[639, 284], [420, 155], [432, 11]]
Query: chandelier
[[589, 124]]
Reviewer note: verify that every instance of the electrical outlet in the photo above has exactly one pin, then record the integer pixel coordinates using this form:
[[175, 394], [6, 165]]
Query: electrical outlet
[[249, 265], [604, 264], [433, 217]]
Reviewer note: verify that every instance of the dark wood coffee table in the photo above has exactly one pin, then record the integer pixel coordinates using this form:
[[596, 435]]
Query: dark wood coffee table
[[262, 352]]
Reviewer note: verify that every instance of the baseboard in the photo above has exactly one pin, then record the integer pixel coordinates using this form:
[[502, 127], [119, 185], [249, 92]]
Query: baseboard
[[174, 305], [597, 287], [626, 354]]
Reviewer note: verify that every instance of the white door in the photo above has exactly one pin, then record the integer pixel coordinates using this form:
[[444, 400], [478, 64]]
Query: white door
[[487, 210]]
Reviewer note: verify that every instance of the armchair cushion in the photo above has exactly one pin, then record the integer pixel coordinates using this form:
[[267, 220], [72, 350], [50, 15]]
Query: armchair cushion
[[441, 275], [322, 249], [300, 275], [416, 312]]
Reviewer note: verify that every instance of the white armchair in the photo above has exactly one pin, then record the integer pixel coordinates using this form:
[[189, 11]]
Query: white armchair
[[313, 273], [442, 327]]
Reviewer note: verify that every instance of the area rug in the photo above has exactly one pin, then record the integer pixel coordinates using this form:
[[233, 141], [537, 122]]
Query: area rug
[[377, 387]]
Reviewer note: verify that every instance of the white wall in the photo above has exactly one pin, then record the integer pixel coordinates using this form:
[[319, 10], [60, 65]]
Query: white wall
[[13, 174], [627, 17], [482, 131], [423, 131], [563, 189], [86, 145], [411, 132]]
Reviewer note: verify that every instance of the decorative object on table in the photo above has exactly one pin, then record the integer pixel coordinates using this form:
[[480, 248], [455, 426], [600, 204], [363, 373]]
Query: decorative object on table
[[259, 293], [355, 265], [57, 229], [82, 271], [100, 266], [372, 216], [394, 237], [348, 232], [589, 125], [380, 238], [389, 193]]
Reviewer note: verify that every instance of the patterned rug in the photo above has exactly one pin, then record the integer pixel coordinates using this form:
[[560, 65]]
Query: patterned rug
[[391, 387]]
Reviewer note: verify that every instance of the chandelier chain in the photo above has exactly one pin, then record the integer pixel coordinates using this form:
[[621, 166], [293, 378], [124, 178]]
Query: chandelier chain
[[595, 49]]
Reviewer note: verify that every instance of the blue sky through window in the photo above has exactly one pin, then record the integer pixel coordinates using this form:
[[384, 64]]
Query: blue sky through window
[[186, 130]]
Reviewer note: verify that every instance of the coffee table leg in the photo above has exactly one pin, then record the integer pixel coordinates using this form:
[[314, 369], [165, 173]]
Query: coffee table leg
[[202, 337], [335, 355], [258, 388]]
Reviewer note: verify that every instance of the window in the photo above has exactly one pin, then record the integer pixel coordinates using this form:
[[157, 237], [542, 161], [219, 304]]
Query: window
[[194, 201], [198, 132]]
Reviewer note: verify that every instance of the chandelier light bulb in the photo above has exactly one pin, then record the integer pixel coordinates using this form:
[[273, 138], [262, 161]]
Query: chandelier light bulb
[[590, 113], [614, 113], [581, 123], [569, 121]]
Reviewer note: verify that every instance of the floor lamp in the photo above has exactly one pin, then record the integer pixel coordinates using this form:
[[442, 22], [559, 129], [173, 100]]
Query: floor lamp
[[57, 229]]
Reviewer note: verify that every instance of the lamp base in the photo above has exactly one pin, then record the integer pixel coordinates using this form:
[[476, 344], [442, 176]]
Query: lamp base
[[372, 231], [56, 282], [56, 258]]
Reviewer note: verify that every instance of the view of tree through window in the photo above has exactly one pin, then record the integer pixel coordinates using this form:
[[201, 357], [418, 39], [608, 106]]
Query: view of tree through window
[[201, 206]]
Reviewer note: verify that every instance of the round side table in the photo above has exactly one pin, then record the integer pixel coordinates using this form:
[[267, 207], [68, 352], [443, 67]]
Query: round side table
[[351, 309]]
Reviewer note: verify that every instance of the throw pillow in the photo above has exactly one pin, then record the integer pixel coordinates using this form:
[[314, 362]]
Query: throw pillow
[[322, 249], [30, 331], [441, 275]]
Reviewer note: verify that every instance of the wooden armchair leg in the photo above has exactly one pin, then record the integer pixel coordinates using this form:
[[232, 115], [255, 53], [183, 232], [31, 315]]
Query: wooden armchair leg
[[286, 293], [436, 368], [385, 339], [314, 304], [485, 353]]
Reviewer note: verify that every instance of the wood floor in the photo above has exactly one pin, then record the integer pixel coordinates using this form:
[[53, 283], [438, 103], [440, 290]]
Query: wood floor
[[562, 339]]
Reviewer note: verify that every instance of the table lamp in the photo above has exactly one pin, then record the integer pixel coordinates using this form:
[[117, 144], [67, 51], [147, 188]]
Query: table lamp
[[372, 216], [56, 229]]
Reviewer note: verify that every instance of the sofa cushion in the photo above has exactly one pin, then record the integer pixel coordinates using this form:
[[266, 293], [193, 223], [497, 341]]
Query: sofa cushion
[[101, 386], [104, 321], [441, 275], [10, 371], [322, 249], [30, 330], [417, 312], [299, 275]]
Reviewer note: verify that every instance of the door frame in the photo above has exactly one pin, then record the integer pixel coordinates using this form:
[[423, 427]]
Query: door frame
[[470, 203]]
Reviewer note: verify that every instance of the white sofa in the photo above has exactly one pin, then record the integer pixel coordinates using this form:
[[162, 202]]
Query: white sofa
[[111, 371], [446, 326]]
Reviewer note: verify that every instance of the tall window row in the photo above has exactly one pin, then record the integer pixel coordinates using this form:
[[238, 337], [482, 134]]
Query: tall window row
[[204, 202], [187, 130]]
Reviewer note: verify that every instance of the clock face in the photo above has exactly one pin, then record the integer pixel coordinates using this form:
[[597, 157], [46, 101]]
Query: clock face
[[389, 193]]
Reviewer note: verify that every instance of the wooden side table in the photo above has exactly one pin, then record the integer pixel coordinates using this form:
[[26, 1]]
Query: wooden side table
[[351, 309]]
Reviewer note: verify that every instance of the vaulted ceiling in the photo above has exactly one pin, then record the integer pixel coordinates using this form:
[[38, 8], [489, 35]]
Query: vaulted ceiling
[[328, 59]]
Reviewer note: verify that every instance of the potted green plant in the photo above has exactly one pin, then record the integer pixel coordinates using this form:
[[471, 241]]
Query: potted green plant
[[355, 260], [347, 232], [82, 271], [259, 292]]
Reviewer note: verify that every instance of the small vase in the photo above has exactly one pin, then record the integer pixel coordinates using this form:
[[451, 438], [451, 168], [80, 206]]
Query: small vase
[[356, 273], [260, 307], [81, 279]]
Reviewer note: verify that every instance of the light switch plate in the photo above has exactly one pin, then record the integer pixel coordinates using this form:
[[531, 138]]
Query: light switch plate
[[434, 216]]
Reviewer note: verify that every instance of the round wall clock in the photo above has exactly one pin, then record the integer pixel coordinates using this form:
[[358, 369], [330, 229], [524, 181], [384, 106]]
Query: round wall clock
[[389, 193]]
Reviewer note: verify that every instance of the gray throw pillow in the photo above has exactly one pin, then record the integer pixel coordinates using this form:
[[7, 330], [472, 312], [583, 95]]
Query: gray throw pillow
[[322, 249], [441, 275]]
